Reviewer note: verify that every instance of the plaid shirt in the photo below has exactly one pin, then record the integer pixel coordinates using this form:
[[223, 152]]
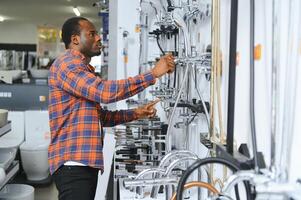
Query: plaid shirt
[[74, 109]]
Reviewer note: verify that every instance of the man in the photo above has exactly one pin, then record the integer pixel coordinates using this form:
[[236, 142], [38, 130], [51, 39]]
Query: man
[[76, 117]]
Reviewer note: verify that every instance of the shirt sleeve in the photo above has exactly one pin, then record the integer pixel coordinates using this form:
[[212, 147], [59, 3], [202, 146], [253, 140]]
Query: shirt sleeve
[[113, 118], [76, 79]]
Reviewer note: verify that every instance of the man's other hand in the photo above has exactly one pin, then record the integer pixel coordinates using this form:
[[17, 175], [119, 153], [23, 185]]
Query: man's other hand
[[146, 111], [166, 64]]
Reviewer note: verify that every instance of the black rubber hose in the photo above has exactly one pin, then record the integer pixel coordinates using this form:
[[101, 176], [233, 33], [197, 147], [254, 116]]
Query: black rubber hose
[[203, 162], [232, 76], [236, 192], [169, 3], [163, 52], [252, 83], [169, 6]]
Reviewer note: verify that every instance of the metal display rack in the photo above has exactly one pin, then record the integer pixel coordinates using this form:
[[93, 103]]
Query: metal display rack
[[14, 167]]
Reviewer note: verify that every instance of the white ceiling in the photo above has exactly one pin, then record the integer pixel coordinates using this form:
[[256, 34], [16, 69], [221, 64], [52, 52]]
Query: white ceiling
[[46, 12]]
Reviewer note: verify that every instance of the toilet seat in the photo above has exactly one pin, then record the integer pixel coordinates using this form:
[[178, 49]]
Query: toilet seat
[[31, 146]]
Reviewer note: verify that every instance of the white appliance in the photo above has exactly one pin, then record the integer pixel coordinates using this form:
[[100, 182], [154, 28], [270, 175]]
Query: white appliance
[[34, 151]]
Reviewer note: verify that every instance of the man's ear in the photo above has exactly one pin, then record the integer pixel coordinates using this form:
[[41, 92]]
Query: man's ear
[[75, 39]]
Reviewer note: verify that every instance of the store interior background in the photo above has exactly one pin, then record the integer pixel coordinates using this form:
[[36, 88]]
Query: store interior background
[[22, 20]]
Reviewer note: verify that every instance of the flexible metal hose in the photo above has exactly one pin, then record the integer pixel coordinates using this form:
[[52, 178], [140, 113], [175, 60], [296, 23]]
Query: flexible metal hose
[[181, 24], [168, 134]]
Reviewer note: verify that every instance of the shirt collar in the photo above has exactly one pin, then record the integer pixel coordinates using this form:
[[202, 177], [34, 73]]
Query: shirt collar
[[76, 53], [82, 57], [91, 68]]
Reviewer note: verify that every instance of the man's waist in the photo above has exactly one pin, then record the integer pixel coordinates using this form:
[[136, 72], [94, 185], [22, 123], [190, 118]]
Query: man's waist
[[74, 163]]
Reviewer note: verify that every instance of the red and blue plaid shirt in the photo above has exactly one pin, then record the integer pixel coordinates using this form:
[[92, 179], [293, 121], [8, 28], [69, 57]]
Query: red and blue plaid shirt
[[75, 94]]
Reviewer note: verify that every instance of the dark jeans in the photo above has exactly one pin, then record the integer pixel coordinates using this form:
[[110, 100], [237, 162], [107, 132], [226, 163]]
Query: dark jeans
[[76, 182]]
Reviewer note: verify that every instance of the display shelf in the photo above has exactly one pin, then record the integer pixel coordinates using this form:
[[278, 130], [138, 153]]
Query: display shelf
[[10, 173], [5, 129]]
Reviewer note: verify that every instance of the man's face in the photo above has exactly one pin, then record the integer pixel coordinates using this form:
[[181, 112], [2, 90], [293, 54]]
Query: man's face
[[90, 44]]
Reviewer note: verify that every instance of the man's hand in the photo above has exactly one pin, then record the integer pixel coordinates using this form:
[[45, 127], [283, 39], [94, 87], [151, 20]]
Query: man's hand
[[166, 64], [146, 111]]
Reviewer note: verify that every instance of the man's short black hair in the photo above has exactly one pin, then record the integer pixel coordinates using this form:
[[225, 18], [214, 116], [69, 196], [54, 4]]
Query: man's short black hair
[[71, 27]]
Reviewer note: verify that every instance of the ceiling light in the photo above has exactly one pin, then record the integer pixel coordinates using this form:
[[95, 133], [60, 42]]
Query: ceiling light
[[1, 19], [76, 11]]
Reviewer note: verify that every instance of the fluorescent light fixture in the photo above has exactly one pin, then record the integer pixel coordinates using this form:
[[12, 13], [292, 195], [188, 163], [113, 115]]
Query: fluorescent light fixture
[[1, 19], [42, 36], [76, 11]]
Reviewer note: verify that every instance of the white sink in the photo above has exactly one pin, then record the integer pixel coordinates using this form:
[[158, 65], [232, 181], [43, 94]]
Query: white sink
[[7, 156], [8, 76], [10, 142], [15, 137], [39, 73], [15, 74]]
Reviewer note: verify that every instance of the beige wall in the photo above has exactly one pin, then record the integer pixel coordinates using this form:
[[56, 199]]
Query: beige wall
[[17, 33]]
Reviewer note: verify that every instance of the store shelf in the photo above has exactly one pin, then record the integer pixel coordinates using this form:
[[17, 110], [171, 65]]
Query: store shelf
[[5, 129], [10, 173]]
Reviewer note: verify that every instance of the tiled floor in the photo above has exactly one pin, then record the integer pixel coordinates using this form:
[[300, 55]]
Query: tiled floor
[[42, 192], [46, 193]]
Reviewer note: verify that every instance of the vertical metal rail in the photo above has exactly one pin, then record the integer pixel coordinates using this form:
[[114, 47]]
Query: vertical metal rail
[[218, 77], [143, 45], [252, 83], [232, 76], [213, 67], [291, 78], [182, 26], [275, 92]]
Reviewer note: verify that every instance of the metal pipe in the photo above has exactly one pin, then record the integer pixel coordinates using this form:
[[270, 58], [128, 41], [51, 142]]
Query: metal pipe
[[203, 162], [125, 37], [165, 10], [176, 162], [285, 189], [144, 43], [178, 20], [173, 154], [232, 76], [291, 80], [156, 10], [167, 173], [202, 99], [198, 184], [149, 171], [237, 178], [213, 74], [150, 182], [218, 71], [170, 167], [137, 167], [252, 84], [275, 88], [168, 134], [144, 173]]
